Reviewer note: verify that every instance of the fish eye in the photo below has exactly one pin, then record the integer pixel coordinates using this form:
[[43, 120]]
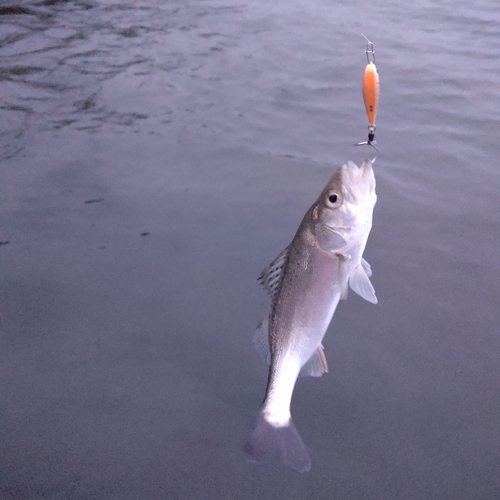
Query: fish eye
[[333, 199]]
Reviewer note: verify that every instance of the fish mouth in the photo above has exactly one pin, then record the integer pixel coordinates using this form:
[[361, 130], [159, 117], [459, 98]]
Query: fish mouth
[[363, 175], [359, 182]]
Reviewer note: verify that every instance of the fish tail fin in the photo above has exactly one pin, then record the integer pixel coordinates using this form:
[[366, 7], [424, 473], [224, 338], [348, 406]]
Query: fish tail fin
[[270, 442]]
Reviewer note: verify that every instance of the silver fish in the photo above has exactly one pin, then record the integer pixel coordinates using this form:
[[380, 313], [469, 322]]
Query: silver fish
[[306, 282]]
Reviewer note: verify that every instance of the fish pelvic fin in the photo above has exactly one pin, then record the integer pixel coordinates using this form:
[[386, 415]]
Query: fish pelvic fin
[[360, 283], [269, 442], [344, 279], [367, 268], [316, 365]]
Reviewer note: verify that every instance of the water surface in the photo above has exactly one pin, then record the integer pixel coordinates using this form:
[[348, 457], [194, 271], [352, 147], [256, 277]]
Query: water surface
[[155, 157]]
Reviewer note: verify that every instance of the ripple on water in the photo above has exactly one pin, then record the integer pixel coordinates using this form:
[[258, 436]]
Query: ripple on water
[[274, 87]]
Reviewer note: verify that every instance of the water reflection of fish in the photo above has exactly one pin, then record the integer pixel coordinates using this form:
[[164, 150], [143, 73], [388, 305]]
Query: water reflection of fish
[[306, 282]]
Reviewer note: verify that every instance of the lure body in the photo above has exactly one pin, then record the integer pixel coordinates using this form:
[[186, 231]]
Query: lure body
[[371, 91]]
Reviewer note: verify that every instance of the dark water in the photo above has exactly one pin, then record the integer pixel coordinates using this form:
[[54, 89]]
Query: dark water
[[155, 157]]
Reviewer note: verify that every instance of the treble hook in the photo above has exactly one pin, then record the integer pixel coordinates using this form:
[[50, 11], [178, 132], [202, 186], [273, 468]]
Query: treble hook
[[371, 138]]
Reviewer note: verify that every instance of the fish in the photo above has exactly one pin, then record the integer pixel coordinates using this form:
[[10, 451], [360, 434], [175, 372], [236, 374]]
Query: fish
[[305, 283]]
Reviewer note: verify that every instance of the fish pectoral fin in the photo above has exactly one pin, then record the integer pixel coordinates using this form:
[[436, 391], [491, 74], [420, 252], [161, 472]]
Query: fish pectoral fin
[[316, 365], [261, 340], [360, 283]]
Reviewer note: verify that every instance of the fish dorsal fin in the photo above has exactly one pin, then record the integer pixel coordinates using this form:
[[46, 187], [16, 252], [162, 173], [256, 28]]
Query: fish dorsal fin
[[360, 283], [270, 277], [316, 365], [261, 340]]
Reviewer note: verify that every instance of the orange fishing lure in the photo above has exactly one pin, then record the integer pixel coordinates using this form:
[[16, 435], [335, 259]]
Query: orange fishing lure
[[371, 91]]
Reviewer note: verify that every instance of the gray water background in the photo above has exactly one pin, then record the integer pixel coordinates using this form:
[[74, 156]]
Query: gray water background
[[155, 157]]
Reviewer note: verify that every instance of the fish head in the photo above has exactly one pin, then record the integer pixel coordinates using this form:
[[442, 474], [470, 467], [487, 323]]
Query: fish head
[[342, 215]]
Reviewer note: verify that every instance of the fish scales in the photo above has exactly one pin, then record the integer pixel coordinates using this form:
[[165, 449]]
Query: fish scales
[[306, 290]]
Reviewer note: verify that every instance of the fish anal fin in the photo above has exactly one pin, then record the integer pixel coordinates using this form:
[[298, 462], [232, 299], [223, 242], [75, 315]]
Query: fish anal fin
[[360, 283], [316, 365], [261, 340]]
